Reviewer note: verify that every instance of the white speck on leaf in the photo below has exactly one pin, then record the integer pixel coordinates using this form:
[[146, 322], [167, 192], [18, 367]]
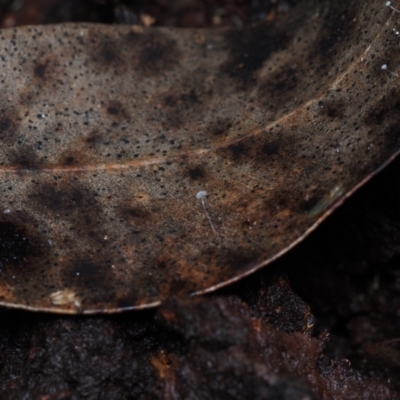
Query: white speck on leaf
[[389, 4], [201, 195]]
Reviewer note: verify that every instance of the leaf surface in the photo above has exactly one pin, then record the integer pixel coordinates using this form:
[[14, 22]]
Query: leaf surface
[[138, 163]]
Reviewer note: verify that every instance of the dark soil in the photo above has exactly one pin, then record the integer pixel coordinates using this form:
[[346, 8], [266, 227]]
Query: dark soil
[[323, 322]]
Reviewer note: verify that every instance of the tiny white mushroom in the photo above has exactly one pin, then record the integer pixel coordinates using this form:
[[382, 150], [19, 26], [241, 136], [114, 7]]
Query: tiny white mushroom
[[389, 4], [200, 196], [384, 67]]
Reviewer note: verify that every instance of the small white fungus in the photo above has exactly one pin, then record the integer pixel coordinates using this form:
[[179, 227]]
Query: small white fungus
[[201, 194], [389, 4], [384, 67]]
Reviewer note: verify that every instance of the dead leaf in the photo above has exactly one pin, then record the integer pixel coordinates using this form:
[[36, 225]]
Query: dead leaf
[[124, 148]]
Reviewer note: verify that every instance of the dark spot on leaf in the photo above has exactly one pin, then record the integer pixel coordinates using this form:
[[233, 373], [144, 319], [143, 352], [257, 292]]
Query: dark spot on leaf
[[269, 149], [238, 150], [220, 127], [196, 173], [25, 158], [88, 274], [106, 52], [8, 125], [69, 160], [39, 70], [170, 101], [181, 106], [392, 136], [189, 98], [116, 109], [181, 101], [158, 54], [137, 212], [78, 156], [112, 110], [279, 150], [60, 199], [5, 123], [93, 137], [109, 55], [86, 269], [131, 37], [339, 23], [278, 89], [286, 80], [250, 48], [376, 116], [14, 244], [333, 110], [383, 109]]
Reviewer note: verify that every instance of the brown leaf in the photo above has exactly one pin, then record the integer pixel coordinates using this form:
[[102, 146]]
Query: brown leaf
[[138, 163]]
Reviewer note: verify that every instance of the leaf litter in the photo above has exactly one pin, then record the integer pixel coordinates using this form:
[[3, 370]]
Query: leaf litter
[[137, 162]]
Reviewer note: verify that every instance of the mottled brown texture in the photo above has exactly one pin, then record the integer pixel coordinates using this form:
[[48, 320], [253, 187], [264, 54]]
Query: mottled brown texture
[[108, 133]]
